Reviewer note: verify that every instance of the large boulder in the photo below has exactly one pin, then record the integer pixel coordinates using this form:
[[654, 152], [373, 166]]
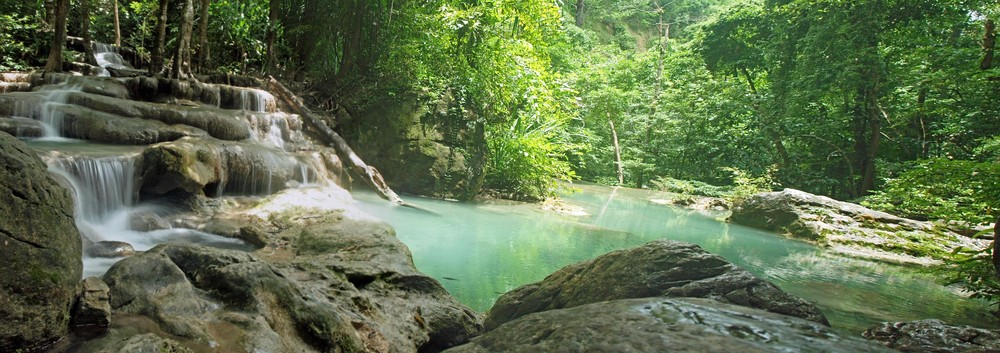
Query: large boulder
[[414, 143], [660, 268], [663, 325], [329, 279], [40, 248], [850, 228], [934, 336]]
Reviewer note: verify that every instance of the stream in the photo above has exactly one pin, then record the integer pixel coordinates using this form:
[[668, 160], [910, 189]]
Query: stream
[[480, 251]]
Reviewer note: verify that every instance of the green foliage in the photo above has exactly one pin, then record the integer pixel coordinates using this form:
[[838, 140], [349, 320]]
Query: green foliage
[[690, 187], [17, 43], [973, 270], [941, 189], [746, 184], [238, 31]]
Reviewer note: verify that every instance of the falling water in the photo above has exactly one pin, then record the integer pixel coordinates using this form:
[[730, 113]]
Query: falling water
[[255, 100], [48, 108], [107, 56]]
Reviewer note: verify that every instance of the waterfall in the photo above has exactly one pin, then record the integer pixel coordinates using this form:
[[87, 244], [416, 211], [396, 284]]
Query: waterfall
[[268, 129], [48, 108], [107, 56], [104, 189], [255, 100]]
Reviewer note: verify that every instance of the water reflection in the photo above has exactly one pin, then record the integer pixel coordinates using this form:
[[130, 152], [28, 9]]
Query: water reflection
[[481, 251]]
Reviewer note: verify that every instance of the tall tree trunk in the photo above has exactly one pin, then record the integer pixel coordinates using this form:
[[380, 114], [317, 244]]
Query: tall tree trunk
[[579, 13], [772, 131], [182, 60], [156, 62], [51, 8], [353, 41], [989, 43], [203, 50], [618, 153], [88, 47], [55, 62], [867, 114], [118, 28], [272, 35]]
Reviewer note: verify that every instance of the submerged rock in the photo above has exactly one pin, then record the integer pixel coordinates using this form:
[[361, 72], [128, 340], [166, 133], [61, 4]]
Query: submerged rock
[[40, 249], [849, 228], [663, 325], [934, 336], [659, 268]]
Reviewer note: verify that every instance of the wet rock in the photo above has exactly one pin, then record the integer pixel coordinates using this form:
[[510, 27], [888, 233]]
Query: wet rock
[[934, 336], [218, 123], [6, 87], [40, 249], [332, 280], [147, 221], [92, 312], [148, 343], [87, 124], [194, 166], [659, 268], [110, 249], [22, 127], [103, 86], [849, 228], [663, 325]]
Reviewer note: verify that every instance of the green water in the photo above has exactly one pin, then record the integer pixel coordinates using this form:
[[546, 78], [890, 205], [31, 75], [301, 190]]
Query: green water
[[480, 251]]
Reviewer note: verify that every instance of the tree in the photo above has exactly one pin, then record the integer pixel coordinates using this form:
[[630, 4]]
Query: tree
[[182, 59], [203, 48], [59, 40], [156, 66]]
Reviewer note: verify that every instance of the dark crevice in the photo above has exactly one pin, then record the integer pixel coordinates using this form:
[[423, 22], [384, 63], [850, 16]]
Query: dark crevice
[[360, 281], [34, 245]]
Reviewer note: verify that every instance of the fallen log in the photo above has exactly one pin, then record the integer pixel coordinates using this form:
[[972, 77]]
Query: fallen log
[[355, 164]]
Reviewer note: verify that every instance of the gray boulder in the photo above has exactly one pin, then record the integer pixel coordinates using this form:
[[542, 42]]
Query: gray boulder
[[93, 310], [660, 268], [934, 336], [22, 127], [849, 228], [663, 325], [329, 279], [40, 248]]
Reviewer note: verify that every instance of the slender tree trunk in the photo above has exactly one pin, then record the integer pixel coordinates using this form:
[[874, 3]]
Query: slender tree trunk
[[618, 153], [182, 60], [118, 29], [203, 50], [996, 246], [352, 43], [989, 43], [88, 47], [579, 13], [272, 35], [55, 62], [921, 123], [772, 131], [867, 114], [51, 8], [156, 62]]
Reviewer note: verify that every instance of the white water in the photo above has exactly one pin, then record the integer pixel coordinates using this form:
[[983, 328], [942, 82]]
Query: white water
[[48, 108], [255, 100], [107, 56], [105, 193]]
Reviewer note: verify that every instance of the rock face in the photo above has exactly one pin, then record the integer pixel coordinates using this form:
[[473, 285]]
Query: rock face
[[40, 249], [93, 309], [330, 279], [659, 268], [663, 325], [849, 228], [934, 336], [148, 343], [438, 157]]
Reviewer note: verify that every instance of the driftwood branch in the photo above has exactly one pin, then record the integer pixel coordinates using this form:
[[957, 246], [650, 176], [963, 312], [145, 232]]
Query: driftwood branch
[[356, 166]]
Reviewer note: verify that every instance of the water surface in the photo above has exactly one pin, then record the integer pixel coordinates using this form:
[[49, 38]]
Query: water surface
[[480, 251]]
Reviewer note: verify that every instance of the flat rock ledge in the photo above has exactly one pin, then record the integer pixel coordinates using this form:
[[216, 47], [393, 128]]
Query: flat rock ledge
[[663, 325], [851, 229]]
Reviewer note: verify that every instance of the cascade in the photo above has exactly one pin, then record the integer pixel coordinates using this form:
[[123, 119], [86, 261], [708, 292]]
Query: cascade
[[255, 100], [47, 109], [107, 56]]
